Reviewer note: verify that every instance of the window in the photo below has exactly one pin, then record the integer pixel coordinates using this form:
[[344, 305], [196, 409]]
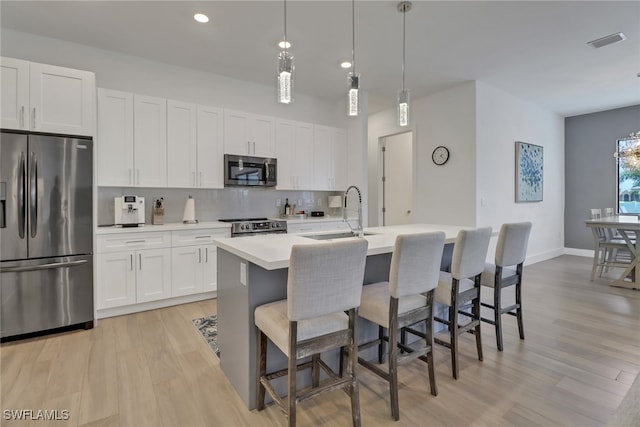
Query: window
[[628, 158]]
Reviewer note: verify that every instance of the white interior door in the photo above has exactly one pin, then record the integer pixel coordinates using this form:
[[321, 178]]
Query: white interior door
[[397, 180]]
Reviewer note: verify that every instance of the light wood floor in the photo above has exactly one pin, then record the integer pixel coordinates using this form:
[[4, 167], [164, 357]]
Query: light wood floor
[[580, 356]]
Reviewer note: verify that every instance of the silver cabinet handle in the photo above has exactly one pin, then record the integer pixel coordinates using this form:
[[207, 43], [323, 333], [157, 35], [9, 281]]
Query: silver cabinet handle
[[34, 117], [22, 116], [140, 261], [199, 255], [135, 241], [409, 212], [44, 266], [22, 211], [203, 237], [206, 253], [131, 260], [33, 193], [248, 147]]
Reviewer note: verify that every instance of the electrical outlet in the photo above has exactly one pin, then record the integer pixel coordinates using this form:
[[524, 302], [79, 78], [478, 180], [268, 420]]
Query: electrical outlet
[[278, 203], [243, 274]]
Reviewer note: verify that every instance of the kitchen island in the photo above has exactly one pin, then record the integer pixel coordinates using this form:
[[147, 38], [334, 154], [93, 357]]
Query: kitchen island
[[253, 271]]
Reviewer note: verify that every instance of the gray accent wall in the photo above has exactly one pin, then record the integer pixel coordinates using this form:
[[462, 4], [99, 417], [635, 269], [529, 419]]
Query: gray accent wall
[[590, 168]]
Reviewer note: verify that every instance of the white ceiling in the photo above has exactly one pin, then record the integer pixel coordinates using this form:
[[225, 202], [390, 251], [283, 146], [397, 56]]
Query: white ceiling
[[535, 50]]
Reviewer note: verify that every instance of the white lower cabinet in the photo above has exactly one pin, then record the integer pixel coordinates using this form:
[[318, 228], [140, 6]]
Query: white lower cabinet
[[140, 267], [315, 226]]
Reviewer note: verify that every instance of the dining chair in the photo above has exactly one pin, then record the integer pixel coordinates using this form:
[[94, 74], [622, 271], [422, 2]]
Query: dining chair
[[609, 251], [324, 287], [505, 272], [405, 299], [459, 290]]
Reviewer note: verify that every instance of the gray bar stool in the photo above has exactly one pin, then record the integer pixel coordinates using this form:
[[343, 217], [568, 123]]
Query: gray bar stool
[[324, 281], [460, 289], [511, 252], [415, 268]]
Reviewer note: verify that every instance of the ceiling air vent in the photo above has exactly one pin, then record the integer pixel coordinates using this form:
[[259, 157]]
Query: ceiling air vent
[[607, 40]]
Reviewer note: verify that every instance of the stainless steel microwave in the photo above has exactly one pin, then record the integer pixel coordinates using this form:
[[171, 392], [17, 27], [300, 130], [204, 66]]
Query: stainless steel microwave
[[245, 171]]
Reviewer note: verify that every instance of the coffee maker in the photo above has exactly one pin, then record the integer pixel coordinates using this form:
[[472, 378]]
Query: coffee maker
[[129, 211]]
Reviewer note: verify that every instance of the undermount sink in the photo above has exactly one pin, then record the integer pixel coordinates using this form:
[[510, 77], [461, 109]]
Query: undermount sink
[[331, 236]]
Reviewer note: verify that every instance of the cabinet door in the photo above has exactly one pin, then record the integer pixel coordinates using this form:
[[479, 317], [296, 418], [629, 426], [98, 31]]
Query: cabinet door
[[116, 279], [61, 100], [262, 135], [209, 268], [210, 149], [115, 138], [236, 136], [285, 153], [15, 93], [340, 161], [181, 144], [186, 270], [322, 147], [150, 141], [303, 156], [153, 274]]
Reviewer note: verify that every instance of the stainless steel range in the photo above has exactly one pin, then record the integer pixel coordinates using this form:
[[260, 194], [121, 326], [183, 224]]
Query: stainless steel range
[[241, 227]]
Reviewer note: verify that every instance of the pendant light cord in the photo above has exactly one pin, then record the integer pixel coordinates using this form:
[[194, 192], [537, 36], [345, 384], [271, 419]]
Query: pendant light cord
[[285, 26], [353, 35], [404, 26]]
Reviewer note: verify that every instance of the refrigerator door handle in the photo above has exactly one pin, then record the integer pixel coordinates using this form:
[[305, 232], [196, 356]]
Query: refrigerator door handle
[[22, 212], [33, 193], [43, 266]]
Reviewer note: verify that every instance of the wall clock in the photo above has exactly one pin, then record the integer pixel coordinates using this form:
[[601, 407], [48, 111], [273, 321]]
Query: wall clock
[[440, 155]]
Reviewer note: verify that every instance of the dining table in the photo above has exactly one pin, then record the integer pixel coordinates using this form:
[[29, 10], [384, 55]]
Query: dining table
[[625, 227]]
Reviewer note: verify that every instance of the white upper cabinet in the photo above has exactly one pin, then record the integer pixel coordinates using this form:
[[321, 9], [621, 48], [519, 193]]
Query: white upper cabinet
[[210, 150], [181, 144], [47, 98], [115, 138], [150, 136], [294, 151], [249, 134], [330, 158], [15, 94], [194, 145]]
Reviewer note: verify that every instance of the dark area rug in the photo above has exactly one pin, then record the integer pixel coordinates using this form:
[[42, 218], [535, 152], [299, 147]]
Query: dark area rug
[[208, 328]]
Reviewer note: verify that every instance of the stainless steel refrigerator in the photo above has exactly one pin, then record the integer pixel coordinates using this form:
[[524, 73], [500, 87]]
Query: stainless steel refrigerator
[[46, 232]]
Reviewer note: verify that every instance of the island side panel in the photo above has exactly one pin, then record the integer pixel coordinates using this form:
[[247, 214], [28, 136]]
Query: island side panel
[[237, 338]]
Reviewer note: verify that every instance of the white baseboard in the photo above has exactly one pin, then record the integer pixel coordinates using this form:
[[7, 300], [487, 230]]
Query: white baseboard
[[533, 259], [579, 252], [152, 305]]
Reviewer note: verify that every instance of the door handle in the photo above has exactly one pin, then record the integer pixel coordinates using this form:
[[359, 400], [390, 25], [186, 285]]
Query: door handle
[[22, 116], [409, 212], [199, 255], [33, 193], [131, 260], [44, 266], [22, 212]]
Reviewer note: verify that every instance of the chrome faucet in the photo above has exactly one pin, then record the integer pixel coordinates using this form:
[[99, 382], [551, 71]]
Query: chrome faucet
[[359, 232]]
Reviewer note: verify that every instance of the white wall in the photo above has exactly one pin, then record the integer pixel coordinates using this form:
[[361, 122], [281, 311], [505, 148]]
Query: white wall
[[503, 119], [442, 194], [133, 74]]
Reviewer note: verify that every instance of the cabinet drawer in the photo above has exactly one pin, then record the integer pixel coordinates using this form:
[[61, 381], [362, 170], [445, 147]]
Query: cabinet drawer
[[197, 237], [133, 241]]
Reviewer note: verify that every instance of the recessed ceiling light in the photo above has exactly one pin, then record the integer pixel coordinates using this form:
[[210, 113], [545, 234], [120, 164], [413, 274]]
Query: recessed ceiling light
[[345, 64], [284, 45], [607, 40], [201, 17]]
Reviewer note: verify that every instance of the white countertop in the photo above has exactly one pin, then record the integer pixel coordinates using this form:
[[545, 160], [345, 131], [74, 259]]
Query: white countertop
[[174, 226], [272, 251]]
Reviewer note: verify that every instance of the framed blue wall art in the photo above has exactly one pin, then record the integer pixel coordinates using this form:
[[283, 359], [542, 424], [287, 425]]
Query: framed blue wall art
[[529, 161]]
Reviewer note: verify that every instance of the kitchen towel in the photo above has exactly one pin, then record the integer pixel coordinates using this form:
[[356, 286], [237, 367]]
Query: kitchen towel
[[189, 216]]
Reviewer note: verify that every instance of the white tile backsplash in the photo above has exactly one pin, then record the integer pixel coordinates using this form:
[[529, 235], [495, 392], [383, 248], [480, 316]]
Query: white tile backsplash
[[212, 205]]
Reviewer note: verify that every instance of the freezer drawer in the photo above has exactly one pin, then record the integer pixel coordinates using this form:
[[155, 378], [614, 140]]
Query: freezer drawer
[[43, 294]]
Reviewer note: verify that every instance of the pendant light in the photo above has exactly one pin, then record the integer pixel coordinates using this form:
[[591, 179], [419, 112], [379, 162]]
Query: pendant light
[[285, 69], [353, 78], [403, 94]]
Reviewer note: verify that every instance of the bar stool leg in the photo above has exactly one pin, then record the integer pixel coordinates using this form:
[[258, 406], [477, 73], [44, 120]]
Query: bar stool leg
[[262, 369]]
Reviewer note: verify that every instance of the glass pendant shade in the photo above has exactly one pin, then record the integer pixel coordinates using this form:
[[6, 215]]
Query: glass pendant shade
[[354, 88], [285, 78], [403, 107]]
